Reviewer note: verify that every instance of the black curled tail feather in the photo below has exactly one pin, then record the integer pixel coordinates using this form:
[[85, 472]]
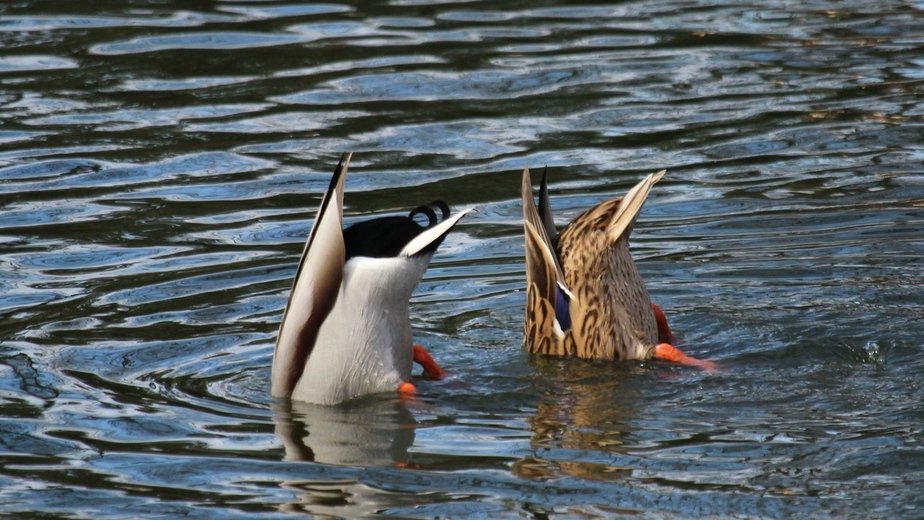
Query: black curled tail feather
[[428, 210], [423, 210], [386, 236], [443, 207]]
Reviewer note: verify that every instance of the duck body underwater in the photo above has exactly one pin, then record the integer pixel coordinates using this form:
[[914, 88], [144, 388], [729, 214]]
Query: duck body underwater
[[585, 295], [346, 328]]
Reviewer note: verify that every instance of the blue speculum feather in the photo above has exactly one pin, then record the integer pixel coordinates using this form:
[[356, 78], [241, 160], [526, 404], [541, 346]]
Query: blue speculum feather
[[561, 309]]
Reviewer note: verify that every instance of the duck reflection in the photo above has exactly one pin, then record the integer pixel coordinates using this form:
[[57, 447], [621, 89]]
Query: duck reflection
[[368, 432], [581, 422], [339, 499]]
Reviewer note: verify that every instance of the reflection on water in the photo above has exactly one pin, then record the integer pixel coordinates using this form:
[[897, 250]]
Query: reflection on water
[[584, 407], [368, 432], [349, 499], [157, 160], [362, 433]]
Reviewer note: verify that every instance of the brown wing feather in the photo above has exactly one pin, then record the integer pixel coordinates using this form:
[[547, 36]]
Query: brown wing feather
[[611, 312], [531, 215], [539, 329], [543, 278], [545, 207], [624, 218]]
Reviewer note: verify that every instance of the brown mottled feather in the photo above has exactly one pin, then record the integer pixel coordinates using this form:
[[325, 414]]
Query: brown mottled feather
[[610, 309]]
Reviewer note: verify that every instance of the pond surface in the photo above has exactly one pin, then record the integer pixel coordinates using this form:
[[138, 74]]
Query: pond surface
[[161, 163]]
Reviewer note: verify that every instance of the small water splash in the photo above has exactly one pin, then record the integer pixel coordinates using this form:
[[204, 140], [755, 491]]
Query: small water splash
[[871, 353]]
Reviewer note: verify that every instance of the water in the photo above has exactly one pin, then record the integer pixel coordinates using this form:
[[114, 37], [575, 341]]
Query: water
[[160, 164]]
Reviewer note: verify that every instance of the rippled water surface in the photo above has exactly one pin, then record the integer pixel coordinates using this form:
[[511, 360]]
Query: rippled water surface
[[160, 164]]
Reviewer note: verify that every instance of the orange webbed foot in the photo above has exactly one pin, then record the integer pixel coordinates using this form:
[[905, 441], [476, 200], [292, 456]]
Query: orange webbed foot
[[668, 352], [406, 390], [424, 359]]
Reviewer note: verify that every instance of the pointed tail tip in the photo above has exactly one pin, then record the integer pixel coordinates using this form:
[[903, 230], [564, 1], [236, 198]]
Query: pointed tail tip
[[433, 235], [344, 161], [527, 180], [340, 171]]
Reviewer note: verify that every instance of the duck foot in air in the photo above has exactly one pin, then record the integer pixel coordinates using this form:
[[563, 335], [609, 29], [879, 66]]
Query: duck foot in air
[[424, 359]]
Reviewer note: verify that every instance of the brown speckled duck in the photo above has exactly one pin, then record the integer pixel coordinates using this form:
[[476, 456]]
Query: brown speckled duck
[[585, 296]]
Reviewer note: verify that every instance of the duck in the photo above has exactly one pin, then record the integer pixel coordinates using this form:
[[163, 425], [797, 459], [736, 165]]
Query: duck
[[345, 332], [585, 297]]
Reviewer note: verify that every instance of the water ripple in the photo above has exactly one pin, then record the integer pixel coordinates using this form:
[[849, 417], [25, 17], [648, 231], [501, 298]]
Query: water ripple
[[34, 63], [160, 168]]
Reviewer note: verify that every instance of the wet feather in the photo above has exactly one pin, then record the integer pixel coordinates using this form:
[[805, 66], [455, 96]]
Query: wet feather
[[346, 328], [585, 296]]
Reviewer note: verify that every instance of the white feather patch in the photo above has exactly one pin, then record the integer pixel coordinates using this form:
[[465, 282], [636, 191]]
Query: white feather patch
[[430, 235]]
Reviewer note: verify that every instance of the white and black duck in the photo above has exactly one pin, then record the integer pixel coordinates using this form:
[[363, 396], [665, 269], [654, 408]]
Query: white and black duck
[[346, 329]]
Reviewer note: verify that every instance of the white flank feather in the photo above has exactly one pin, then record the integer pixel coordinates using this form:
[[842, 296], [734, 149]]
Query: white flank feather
[[346, 331], [364, 346], [430, 235]]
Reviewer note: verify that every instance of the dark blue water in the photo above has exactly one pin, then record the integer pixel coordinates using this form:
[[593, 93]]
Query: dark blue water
[[160, 165]]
